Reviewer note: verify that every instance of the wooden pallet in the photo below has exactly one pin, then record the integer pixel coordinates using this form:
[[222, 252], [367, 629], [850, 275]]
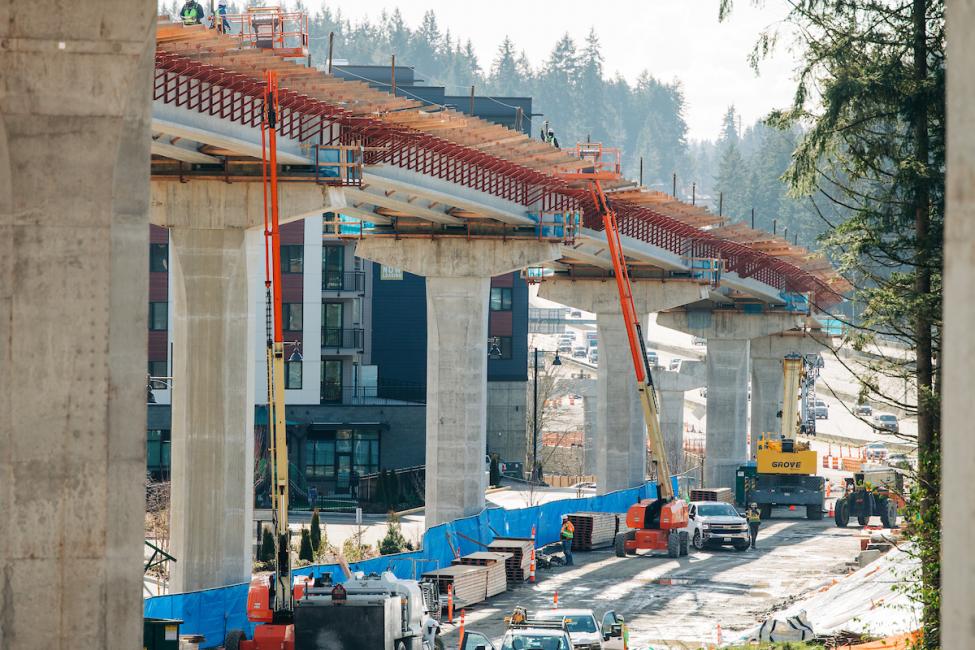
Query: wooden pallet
[[469, 582], [593, 529], [520, 548], [496, 580], [713, 494]]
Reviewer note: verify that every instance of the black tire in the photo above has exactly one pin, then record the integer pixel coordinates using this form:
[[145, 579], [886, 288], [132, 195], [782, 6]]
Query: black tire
[[619, 544], [814, 512], [233, 639], [698, 540], [841, 513], [684, 539], [438, 644], [863, 519], [888, 513], [401, 645], [765, 510], [741, 546], [673, 544]]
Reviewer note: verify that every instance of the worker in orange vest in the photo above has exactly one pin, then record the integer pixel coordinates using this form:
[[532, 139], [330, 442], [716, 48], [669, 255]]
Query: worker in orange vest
[[568, 532]]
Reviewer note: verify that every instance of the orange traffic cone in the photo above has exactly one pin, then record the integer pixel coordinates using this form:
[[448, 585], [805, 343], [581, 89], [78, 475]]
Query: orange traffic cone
[[555, 598]]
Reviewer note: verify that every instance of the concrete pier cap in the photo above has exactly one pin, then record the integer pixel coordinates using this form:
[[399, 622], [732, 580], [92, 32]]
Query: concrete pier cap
[[458, 276], [728, 334], [621, 433]]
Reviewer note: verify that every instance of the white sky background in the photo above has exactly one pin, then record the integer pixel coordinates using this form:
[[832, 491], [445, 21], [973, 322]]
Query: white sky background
[[672, 39]]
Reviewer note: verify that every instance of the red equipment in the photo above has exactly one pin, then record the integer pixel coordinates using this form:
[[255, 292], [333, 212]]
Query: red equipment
[[658, 524]]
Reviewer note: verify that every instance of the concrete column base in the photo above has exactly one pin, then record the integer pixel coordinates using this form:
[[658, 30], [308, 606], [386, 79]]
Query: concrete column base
[[727, 411], [213, 410]]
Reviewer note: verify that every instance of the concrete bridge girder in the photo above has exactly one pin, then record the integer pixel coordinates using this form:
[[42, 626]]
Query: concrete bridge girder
[[458, 276], [728, 335], [621, 433]]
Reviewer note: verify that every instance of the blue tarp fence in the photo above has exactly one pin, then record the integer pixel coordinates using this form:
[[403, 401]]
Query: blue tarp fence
[[212, 612]]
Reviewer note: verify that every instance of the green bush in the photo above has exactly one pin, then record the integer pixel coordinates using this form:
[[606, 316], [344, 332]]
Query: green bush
[[305, 553]]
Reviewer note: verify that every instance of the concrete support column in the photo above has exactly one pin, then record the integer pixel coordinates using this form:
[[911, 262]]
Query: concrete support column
[[213, 410], [458, 279], [587, 388], [621, 433], [621, 456], [766, 399], [671, 386], [727, 410], [766, 354], [74, 187], [728, 333], [958, 380]]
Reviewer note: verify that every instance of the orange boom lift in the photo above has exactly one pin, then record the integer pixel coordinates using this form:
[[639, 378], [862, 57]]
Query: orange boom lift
[[657, 524]]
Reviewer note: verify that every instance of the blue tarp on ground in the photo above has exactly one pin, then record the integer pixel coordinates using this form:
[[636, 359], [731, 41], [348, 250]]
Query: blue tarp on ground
[[214, 611]]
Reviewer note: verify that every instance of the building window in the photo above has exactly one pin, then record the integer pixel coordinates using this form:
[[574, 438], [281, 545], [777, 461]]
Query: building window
[[158, 369], [159, 258], [157, 453], [500, 298], [333, 267], [331, 380], [293, 258], [366, 452], [504, 343], [320, 457], [158, 316], [292, 375], [291, 314]]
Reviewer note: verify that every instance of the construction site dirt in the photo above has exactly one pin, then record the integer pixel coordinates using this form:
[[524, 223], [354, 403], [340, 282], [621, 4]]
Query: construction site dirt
[[682, 602]]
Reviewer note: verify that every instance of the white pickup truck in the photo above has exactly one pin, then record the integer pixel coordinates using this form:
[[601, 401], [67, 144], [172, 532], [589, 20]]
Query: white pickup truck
[[715, 523]]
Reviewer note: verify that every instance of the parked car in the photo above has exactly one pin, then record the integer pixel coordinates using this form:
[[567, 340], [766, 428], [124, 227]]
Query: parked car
[[565, 346], [716, 523], [675, 364], [863, 409], [876, 451], [579, 352], [581, 625], [697, 340], [576, 314], [885, 422], [821, 409], [901, 461]]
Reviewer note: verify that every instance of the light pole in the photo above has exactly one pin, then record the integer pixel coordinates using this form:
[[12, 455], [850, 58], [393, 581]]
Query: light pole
[[555, 362]]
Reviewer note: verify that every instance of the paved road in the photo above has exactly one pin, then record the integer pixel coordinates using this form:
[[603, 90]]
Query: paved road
[[685, 600]]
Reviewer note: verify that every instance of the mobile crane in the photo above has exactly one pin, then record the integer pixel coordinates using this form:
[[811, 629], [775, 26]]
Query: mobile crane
[[656, 524]]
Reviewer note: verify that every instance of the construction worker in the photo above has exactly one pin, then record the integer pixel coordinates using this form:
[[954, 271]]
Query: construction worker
[[754, 517], [625, 631], [548, 135], [568, 532], [223, 25], [191, 13], [431, 628]]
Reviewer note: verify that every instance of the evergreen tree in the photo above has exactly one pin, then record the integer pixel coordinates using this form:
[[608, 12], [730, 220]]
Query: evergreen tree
[[316, 531], [266, 553], [731, 183], [393, 542], [305, 551]]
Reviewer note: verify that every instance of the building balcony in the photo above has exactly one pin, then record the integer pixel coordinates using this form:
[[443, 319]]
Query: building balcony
[[384, 394], [336, 283], [343, 340]]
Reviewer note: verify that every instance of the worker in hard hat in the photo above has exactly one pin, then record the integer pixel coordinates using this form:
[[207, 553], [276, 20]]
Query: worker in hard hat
[[568, 532], [624, 631], [431, 627], [223, 25], [754, 517], [191, 13]]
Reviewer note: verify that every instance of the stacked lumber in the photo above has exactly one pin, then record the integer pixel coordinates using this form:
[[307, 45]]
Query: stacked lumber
[[469, 582], [713, 494], [520, 548], [496, 576], [593, 529]]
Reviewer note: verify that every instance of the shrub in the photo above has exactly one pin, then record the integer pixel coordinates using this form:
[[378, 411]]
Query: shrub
[[316, 531], [306, 553]]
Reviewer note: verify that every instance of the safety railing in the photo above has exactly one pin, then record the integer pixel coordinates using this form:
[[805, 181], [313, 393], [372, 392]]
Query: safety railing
[[381, 394], [342, 338], [337, 281]]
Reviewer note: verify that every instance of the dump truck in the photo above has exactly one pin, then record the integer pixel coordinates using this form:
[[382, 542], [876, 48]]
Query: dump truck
[[785, 471]]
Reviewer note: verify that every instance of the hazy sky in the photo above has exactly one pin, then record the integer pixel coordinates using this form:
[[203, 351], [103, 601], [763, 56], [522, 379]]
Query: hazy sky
[[673, 39]]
